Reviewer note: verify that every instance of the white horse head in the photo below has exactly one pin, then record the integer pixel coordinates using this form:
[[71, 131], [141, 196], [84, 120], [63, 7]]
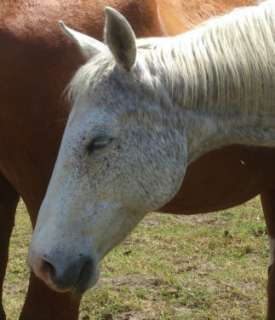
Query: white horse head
[[118, 160], [139, 117]]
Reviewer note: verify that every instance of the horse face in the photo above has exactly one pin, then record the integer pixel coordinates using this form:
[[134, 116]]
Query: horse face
[[121, 156]]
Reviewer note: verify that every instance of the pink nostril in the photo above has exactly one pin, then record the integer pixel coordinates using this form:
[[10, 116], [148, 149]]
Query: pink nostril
[[47, 269], [43, 269]]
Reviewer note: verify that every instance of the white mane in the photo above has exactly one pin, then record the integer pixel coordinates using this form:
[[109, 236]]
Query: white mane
[[226, 64]]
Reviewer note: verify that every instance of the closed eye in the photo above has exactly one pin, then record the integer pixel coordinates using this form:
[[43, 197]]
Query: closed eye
[[98, 143]]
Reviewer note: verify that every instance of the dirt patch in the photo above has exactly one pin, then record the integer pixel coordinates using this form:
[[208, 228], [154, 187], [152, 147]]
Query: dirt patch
[[134, 280]]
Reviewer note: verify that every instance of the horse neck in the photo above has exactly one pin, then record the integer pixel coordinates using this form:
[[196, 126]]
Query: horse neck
[[205, 132], [221, 79]]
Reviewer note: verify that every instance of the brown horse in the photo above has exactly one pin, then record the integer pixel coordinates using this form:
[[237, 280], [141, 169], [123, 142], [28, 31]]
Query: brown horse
[[37, 62]]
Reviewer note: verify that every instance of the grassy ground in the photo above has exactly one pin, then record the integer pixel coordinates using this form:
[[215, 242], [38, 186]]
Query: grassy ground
[[172, 267]]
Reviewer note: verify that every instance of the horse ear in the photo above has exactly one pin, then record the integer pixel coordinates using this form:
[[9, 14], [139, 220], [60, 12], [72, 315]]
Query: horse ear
[[120, 38], [88, 46]]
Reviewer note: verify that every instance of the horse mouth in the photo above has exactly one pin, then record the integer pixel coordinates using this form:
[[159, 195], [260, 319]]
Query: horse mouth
[[86, 279]]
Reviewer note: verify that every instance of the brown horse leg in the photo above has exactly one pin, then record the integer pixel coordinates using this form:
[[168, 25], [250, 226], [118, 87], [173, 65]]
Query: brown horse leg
[[8, 202], [268, 203], [44, 304]]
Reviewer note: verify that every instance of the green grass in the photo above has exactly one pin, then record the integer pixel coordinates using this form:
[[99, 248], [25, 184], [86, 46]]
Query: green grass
[[172, 267]]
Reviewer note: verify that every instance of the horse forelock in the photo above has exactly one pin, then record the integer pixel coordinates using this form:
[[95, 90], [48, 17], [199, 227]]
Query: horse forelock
[[88, 76], [102, 67]]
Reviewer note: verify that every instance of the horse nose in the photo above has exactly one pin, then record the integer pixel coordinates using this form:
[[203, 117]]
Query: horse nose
[[62, 275]]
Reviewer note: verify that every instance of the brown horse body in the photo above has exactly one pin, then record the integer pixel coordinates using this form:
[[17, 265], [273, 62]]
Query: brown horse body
[[37, 62]]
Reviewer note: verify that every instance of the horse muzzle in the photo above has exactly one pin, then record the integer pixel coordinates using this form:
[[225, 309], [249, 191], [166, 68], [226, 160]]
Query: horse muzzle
[[64, 274]]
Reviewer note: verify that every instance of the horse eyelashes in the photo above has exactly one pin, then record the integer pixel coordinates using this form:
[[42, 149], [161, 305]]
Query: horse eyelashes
[[98, 143]]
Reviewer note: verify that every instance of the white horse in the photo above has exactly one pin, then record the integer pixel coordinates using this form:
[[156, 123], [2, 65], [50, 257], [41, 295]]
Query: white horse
[[142, 112]]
